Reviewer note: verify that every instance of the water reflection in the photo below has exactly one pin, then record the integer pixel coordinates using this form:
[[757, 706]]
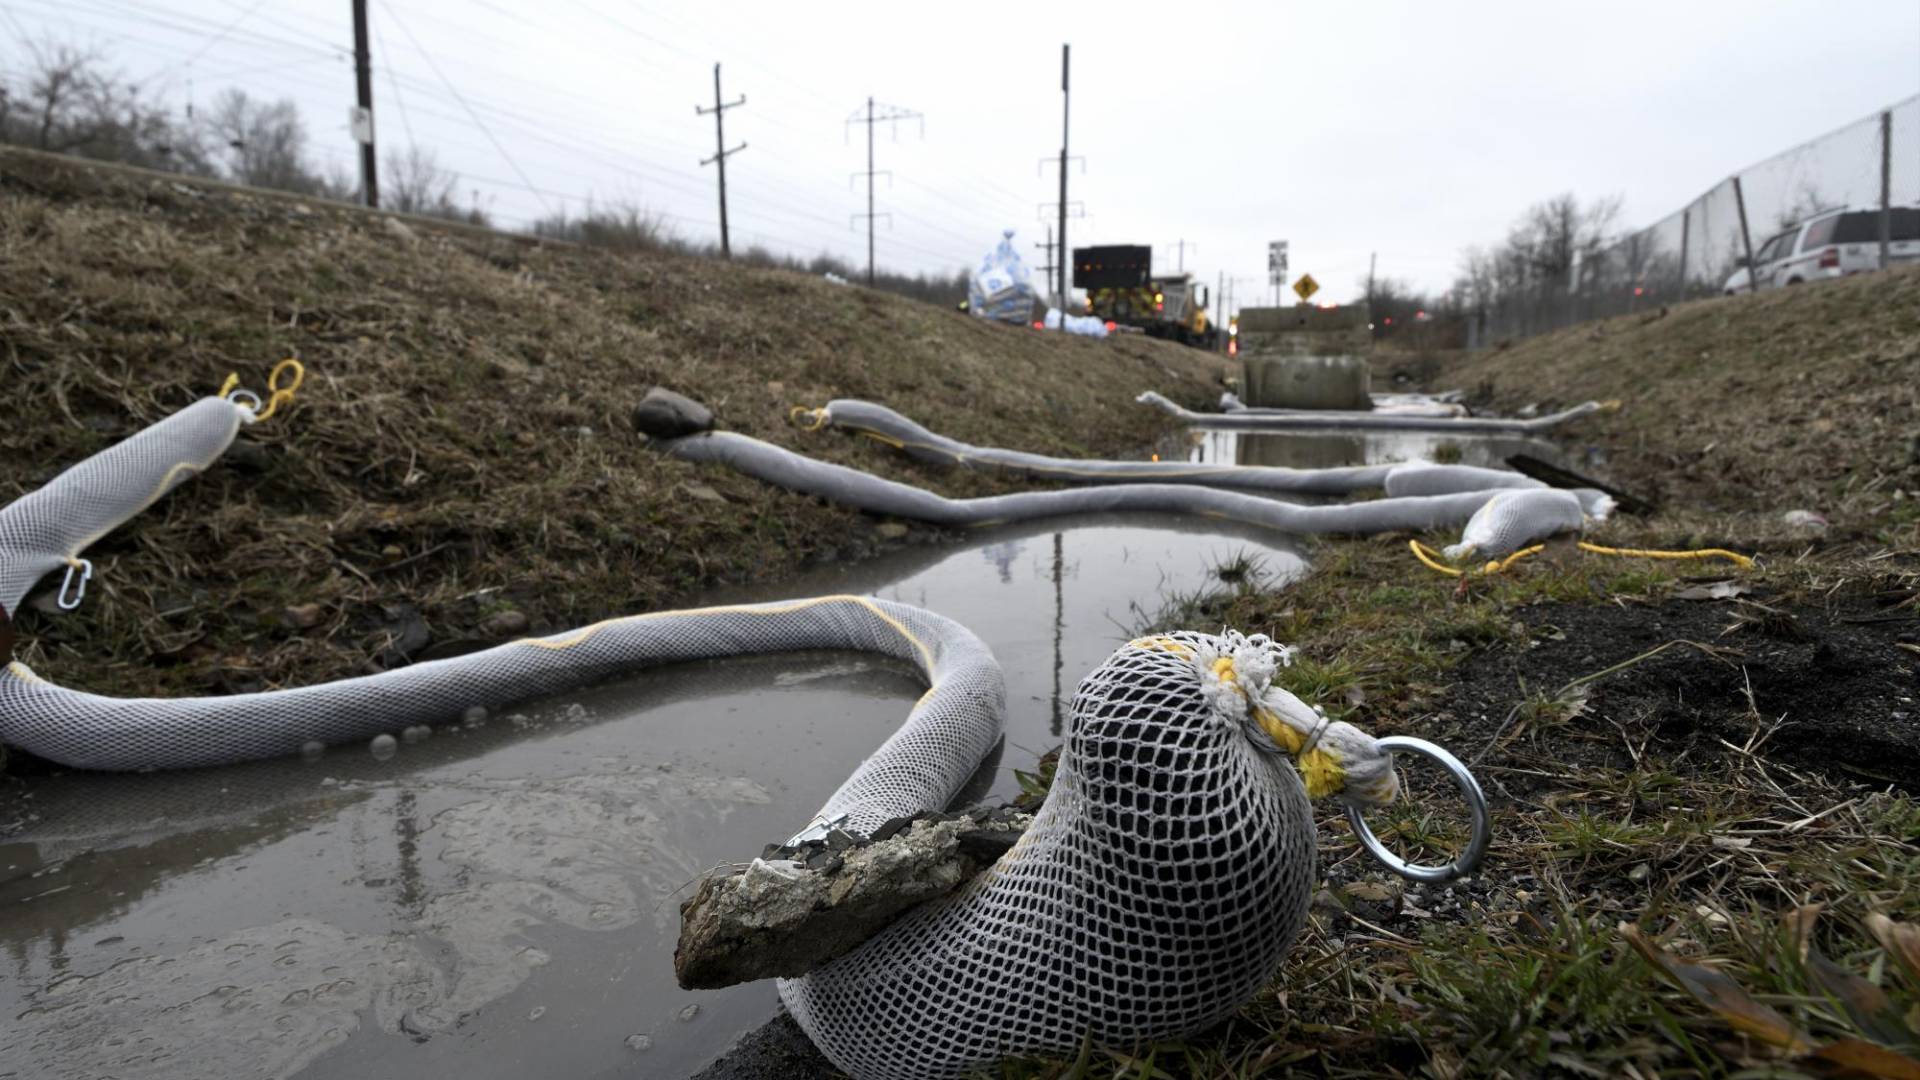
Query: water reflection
[[1059, 633], [500, 900], [1328, 449]]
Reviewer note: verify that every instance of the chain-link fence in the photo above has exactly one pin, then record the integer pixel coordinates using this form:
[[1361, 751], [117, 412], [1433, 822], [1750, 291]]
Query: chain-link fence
[[1709, 246]]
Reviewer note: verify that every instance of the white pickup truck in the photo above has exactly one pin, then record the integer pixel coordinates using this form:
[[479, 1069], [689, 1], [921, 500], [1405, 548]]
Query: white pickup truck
[[1831, 245]]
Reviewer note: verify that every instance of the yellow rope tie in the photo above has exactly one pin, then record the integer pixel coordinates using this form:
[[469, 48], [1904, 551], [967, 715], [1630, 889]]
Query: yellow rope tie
[[1742, 561], [233, 380], [879, 438], [815, 418], [1161, 644], [278, 395], [1431, 559], [1501, 564], [1319, 770]]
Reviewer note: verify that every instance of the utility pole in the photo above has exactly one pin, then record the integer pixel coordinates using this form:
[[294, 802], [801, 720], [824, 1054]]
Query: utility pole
[[1686, 238], [1886, 187], [892, 114], [720, 152], [1746, 235], [1065, 114], [1220, 306], [1063, 279], [363, 116], [1372, 258]]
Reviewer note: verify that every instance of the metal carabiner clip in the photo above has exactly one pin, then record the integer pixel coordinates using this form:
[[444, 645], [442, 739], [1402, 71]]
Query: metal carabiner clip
[[817, 829], [1468, 860], [73, 591]]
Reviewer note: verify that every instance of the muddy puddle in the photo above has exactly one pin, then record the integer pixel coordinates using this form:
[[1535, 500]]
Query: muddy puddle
[[1327, 449], [500, 899]]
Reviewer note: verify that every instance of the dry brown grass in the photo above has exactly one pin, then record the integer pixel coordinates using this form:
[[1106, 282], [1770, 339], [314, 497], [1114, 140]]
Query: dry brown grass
[[1806, 397]]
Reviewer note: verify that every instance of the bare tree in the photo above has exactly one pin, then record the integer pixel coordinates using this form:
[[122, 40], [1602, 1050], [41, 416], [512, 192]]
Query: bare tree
[[1806, 203], [264, 144], [1557, 235], [71, 104], [414, 183]]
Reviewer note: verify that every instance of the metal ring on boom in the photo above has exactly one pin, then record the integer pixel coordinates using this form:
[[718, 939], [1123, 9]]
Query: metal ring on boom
[[1467, 861]]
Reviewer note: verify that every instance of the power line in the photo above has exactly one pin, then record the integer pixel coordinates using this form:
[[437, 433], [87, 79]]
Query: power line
[[212, 41], [472, 111], [984, 189], [393, 84], [481, 124], [135, 13], [767, 69]]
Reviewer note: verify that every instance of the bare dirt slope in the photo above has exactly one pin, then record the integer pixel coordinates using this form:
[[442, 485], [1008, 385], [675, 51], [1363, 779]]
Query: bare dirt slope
[[460, 466], [1806, 397]]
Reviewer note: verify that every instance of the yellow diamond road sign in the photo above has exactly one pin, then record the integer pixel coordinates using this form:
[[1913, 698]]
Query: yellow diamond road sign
[[1306, 287]]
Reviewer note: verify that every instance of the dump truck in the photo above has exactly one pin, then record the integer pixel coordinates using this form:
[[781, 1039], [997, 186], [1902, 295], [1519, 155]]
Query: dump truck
[[1122, 288]]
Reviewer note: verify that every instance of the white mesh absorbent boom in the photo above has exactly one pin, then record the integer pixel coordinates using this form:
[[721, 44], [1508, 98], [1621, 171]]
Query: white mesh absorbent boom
[[882, 424], [865, 491], [1525, 513], [1157, 890], [922, 766]]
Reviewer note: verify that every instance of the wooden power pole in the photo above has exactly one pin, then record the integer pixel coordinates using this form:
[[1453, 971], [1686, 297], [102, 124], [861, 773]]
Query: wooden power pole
[[363, 116], [721, 153]]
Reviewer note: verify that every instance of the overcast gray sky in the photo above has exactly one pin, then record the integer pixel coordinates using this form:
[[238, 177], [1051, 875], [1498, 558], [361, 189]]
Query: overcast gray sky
[[1410, 129]]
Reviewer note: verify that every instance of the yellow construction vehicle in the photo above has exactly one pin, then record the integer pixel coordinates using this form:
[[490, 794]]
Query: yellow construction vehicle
[[1122, 289]]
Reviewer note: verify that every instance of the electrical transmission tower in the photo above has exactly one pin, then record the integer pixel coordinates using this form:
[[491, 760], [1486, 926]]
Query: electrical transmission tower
[[1047, 248], [870, 115], [1180, 253], [720, 151], [1063, 266]]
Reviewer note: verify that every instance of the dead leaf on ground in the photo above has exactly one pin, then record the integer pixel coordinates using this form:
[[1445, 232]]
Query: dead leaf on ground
[[1721, 994], [1854, 1057], [1901, 940], [1868, 1006]]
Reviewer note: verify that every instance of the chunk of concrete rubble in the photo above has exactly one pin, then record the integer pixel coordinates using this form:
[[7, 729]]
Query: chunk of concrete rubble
[[798, 907], [663, 414]]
